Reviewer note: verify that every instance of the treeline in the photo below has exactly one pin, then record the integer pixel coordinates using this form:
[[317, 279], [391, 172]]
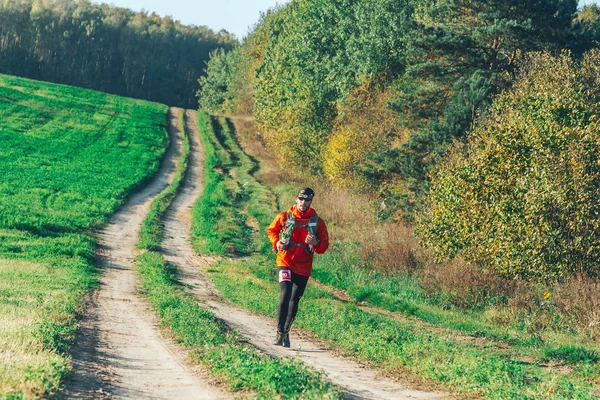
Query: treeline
[[372, 94], [106, 48]]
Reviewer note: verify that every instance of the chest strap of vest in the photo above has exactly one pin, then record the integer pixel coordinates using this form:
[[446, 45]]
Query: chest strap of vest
[[303, 245]]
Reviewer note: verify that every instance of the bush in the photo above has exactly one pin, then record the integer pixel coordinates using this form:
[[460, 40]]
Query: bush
[[520, 195]]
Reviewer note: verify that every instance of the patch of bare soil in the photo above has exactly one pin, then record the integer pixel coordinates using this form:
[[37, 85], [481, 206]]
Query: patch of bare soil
[[356, 380], [120, 352]]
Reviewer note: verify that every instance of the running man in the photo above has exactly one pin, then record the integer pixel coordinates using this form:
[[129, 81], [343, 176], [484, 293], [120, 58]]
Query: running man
[[296, 235]]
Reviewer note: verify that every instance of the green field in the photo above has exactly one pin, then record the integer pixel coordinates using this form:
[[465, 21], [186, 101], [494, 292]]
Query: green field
[[389, 321], [68, 159]]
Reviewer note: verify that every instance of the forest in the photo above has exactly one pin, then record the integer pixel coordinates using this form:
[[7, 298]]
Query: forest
[[106, 48], [402, 101]]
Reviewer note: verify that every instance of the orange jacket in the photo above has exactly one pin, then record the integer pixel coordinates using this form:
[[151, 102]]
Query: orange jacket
[[297, 258]]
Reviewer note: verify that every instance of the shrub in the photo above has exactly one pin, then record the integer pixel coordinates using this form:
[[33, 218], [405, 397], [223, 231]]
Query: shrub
[[520, 195]]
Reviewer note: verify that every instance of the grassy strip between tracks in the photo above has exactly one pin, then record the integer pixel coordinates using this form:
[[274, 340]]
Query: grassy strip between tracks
[[151, 231], [464, 364], [68, 157], [212, 343]]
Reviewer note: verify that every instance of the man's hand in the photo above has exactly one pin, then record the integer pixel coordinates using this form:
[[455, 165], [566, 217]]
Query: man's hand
[[311, 240], [280, 245]]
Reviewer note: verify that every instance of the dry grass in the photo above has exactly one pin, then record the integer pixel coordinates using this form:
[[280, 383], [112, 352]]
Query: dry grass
[[572, 305], [579, 298], [392, 249], [253, 143], [248, 135], [26, 367], [465, 285], [23, 364], [342, 212]]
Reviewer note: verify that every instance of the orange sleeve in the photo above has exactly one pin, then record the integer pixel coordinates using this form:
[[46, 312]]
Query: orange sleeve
[[323, 236], [274, 229]]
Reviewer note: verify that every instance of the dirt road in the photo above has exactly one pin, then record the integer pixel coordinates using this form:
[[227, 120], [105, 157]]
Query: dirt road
[[356, 380], [120, 352]]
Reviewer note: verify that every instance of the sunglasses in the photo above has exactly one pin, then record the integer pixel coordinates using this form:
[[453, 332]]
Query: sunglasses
[[304, 198]]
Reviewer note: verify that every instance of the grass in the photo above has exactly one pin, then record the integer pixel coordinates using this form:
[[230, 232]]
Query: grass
[[210, 341], [408, 327], [77, 153], [214, 219], [402, 293], [390, 342], [68, 157], [29, 340], [233, 200]]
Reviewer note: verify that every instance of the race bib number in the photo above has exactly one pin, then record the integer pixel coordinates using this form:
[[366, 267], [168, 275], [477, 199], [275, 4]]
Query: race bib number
[[285, 275]]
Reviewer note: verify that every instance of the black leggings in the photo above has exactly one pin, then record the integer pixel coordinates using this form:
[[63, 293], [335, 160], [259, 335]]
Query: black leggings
[[291, 292]]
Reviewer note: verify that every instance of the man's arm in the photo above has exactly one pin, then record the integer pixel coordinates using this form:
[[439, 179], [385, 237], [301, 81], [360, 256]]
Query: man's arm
[[274, 230], [323, 237]]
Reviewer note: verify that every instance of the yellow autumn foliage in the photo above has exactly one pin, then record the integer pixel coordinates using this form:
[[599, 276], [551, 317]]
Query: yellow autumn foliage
[[364, 128], [521, 195]]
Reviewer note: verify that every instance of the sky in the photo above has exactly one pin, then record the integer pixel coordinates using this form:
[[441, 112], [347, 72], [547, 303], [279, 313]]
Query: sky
[[587, 2], [235, 16]]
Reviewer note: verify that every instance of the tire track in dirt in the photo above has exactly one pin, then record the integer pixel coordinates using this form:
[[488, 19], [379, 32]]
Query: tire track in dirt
[[355, 380], [120, 352]]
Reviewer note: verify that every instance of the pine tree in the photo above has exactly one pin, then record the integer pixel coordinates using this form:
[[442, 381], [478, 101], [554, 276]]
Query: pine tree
[[465, 52]]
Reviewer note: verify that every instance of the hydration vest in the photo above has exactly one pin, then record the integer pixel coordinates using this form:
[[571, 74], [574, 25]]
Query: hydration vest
[[291, 224]]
